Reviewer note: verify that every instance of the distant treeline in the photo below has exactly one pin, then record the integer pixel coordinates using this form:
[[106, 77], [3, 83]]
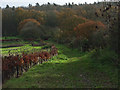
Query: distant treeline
[[84, 26]]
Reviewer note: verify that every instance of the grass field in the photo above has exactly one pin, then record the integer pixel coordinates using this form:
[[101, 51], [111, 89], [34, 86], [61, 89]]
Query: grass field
[[70, 69], [9, 37], [27, 47], [19, 50]]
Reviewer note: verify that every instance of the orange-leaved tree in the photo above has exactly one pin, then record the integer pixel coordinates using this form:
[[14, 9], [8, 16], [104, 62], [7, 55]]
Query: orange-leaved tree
[[22, 23], [22, 14], [67, 19], [30, 29], [86, 29]]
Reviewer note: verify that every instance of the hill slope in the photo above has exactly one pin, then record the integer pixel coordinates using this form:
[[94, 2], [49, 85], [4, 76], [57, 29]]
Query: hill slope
[[70, 69]]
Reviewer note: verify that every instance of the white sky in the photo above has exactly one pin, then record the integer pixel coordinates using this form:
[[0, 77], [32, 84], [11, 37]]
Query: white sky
[[16, 3]]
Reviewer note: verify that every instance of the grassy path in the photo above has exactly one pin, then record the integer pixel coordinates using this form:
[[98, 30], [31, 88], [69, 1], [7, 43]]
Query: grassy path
[[70, 69]]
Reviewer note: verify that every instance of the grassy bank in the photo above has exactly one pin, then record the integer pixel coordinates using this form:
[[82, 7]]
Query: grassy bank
[[70, 69]]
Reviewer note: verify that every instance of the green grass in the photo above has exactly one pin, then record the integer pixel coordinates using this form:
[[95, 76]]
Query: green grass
[[70, 69], [9, 37], [26, 48], [13, 43]]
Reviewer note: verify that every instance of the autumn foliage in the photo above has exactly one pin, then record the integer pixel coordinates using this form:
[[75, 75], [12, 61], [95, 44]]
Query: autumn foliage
[[87, 28], [68, 19], [19, 63], [22, 23], [22, 14]]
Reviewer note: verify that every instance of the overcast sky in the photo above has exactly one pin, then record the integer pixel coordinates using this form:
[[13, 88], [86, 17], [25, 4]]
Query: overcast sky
[[16, 3]]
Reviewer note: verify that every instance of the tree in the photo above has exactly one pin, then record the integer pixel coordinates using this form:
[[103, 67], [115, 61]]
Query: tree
[[110, 14], [69, 5], [85, 3], [48, 3], [94, 2], [22, 23], [87, 33], [30, 5], [13, 8], [98, 39], [67, 19], [9, 23], [22, 14], [54, 4], [30, 29], [51, 19], [37, 5], [7, 6], [86, 29], [72, 3]]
